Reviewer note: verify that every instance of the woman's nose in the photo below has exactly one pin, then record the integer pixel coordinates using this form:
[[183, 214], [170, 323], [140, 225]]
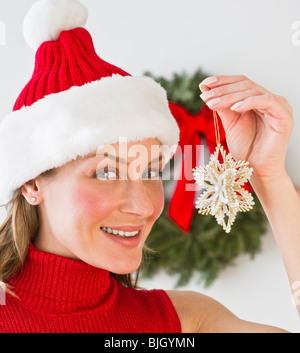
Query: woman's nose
[[137, 199]]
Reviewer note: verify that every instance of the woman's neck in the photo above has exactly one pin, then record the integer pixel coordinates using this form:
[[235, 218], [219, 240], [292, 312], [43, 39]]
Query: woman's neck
[[55, 284]]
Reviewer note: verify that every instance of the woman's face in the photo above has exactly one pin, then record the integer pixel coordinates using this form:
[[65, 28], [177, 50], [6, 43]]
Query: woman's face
[[94, 192]]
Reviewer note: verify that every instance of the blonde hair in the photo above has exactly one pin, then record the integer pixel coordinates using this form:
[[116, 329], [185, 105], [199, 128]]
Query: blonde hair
[[16, 232], [19, 229]]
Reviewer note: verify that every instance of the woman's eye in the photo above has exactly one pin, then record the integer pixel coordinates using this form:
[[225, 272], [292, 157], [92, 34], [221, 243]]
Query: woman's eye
[[113, 175], [156, 174], [106, 174]]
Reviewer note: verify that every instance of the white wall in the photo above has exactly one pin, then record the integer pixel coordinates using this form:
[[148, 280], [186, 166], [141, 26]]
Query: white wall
[[223, 37]]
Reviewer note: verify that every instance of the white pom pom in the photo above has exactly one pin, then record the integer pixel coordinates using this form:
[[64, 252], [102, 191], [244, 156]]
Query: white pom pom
[[48, 18]]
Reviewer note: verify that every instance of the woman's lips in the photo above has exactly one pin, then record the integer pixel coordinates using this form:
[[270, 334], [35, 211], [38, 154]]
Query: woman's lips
[[126, 228], [128, 242]]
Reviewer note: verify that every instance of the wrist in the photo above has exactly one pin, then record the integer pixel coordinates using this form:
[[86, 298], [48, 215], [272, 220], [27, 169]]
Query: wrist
[[263, 182]]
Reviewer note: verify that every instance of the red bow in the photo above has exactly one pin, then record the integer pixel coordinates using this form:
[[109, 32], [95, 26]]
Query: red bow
[[182, 203]]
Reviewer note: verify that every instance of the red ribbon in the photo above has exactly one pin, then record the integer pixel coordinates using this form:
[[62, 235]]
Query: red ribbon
[[192, 126]]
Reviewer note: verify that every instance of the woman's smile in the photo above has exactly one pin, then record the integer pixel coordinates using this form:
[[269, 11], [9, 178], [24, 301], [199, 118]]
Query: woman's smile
[[132, 241]]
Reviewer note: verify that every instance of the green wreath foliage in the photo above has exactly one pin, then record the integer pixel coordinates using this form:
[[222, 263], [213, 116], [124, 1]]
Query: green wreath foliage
[[206, 249]]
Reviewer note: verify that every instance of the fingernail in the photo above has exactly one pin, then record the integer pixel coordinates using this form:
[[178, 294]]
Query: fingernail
[[207, 94], [208, 81], [213, 102], [237, 105]]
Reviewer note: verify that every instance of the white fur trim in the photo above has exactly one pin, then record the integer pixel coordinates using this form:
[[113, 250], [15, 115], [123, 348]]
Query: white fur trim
[[62, 126], [48, 18]]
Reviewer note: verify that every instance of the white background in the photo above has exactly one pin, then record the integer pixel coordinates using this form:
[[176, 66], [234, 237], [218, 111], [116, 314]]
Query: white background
[[253, 38]]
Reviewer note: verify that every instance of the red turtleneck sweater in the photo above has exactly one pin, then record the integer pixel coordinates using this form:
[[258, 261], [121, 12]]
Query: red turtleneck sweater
[[59, 294]]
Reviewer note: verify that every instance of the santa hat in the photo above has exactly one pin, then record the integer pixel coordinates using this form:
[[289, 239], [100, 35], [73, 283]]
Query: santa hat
[[75, 101]]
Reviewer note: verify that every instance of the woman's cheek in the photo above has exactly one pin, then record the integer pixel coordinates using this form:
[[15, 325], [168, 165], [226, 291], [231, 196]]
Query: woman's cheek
[[92, 204]]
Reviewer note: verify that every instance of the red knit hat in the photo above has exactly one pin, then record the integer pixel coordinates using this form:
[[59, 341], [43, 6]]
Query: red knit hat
[[69, 61], [75, 101]]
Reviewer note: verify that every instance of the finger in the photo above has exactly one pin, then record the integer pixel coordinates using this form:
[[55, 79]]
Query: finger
[[265, 102], [216, 81], [229, 89], [284, 101], [227, 100], [227, 83], [223, 88], [204, 88]]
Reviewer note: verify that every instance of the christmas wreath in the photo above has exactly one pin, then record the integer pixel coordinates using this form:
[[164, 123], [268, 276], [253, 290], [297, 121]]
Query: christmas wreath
[[182, 241]]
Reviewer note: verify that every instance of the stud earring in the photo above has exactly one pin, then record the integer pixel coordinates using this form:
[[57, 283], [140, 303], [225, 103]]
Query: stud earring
[[33, 199]]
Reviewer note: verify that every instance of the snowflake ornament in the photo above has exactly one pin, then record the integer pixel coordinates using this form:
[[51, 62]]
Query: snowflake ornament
[[223, 195]]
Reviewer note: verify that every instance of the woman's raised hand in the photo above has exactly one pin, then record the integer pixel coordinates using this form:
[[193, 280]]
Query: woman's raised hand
[[258, 123]]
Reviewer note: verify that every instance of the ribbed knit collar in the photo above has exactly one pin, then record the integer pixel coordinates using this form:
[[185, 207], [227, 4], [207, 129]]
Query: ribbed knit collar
[[51, 284]]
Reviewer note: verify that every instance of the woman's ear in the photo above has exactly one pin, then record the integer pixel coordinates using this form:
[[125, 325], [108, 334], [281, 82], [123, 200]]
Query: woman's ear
[[31, 191]]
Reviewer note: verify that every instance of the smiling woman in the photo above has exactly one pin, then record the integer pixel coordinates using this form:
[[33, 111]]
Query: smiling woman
[[72, 225], [79, 214], [61, 222], [77, 222]]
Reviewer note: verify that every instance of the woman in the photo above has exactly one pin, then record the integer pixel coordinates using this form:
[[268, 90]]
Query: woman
[[79, 217]]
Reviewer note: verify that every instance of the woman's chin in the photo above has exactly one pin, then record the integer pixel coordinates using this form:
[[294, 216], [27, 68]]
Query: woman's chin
[[125, 269], [124, 266]]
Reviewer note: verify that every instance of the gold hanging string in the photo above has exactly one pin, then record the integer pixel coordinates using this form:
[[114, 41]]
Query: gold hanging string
[[223, 197], [217, 131]]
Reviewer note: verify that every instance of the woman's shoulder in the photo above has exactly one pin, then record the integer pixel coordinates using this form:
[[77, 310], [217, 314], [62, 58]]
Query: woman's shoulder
[[190, 307], [198, 312]]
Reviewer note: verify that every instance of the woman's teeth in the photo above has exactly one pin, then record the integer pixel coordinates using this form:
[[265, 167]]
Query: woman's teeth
[[119, 232]]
